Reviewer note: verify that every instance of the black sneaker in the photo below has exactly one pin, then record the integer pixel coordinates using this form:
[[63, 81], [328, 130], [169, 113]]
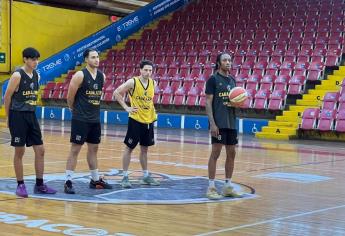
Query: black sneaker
[[99, 184], [68, 187]]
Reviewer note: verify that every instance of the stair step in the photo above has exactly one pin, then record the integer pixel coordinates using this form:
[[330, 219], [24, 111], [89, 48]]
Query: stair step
[[323, 92], [291, 113], [2, 112], [274, 123], [331, 82], [288, 119], [298, 108], [279, 130], [327, 88], [272, 136], [339, 72], [313, 96], [301, 108], [309, 102]]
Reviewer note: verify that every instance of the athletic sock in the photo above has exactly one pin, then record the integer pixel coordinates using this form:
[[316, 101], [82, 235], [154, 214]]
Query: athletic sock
[[94, 174], [39, 182], [228, 182], [211, 183], [69, 175], [145, 173]]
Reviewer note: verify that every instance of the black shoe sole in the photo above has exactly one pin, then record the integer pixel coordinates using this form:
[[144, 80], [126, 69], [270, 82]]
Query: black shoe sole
[[94, 187]]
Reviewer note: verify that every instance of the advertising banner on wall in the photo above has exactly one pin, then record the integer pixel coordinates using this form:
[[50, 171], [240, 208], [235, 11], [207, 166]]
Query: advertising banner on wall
[[104, 39]]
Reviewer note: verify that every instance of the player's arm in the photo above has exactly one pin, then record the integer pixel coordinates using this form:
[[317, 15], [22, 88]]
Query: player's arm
[[12, 86], [104, 78], [209, 112], [210, 91], [119, 94], [73, 87]]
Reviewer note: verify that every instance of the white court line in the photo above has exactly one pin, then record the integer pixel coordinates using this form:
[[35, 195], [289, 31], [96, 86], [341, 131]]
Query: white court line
[[173, 154], [191, 166], [270, 221], [175, 164]]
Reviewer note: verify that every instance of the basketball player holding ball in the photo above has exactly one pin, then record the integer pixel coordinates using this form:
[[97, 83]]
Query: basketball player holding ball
[[221, 114]]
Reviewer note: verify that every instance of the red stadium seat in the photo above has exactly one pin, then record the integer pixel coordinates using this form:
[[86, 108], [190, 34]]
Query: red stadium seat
[[253, 82], [267, 82], [309, 118], [296, 85], [340, 121], [281, 82], [277, 100], [261, 99], [326, 120], [179, 98], [167, 96], [330, 101]]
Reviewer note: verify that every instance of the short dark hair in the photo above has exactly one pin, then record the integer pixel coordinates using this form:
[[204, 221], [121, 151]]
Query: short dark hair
[[219, 57], [31, 53], [145, 63], [86, 53]]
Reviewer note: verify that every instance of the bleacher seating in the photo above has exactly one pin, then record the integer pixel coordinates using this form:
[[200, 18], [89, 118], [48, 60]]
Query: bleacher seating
[[331, 117], [277, 46]]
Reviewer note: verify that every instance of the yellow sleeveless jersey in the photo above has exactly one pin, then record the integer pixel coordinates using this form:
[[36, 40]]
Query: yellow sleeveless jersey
[[142, 98]]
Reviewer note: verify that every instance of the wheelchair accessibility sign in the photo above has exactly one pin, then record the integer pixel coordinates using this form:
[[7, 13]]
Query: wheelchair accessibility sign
[[52, 113], [196, 122]]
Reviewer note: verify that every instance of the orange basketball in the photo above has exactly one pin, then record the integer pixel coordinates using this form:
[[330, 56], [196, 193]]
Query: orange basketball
[[238, 95]]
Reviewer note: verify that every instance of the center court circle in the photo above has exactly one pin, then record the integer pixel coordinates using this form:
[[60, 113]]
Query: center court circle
[[174, 189]]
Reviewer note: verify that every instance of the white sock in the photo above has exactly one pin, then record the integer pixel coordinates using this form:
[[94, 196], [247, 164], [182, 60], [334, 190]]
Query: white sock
[[125, 173], [228, 182], [211, 183], [69, 175], [94, 174], [146, 173]]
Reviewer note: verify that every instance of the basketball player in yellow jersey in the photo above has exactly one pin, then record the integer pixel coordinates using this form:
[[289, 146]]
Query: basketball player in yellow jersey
[[142, 115]]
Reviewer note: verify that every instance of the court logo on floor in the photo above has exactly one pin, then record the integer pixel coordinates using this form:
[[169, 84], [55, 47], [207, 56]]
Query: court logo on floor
[[172, 190], [294, 177]]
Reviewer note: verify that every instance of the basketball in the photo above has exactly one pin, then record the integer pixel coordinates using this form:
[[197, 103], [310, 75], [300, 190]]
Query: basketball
[[238, 95]]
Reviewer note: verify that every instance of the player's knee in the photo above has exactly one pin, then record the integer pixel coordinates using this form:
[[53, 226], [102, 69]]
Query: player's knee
[[216, 150], [214, 157], [128, 149], [144, 149], [231, 153], [19, 152], [41, 152], [93, 148], [215, 154], [75, 150]]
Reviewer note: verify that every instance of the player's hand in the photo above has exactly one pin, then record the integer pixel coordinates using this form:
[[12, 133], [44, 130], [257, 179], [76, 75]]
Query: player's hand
[[132, 110], [7, 123], [214, 131]]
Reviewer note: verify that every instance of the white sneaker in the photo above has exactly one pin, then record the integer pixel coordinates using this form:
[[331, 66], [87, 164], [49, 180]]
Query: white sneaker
[[212, 194], [229, 191]]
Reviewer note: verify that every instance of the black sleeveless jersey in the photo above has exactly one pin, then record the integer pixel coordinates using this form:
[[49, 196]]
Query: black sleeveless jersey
[[25, 98], [87, 99]]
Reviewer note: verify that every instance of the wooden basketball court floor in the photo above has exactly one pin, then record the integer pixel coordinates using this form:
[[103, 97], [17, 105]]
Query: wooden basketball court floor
[[299, 189]]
